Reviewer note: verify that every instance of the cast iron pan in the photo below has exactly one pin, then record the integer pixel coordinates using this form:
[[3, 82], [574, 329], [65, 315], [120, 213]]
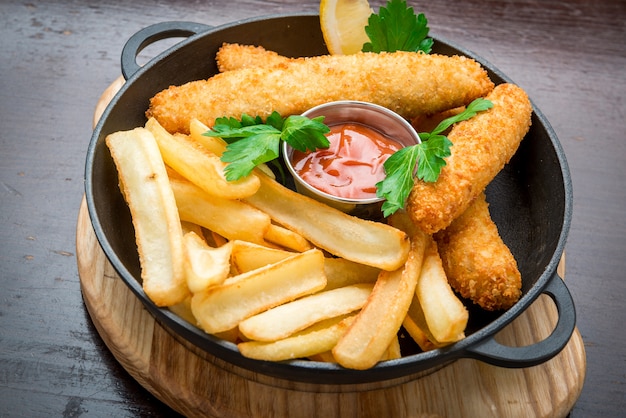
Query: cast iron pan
[[530, 200]]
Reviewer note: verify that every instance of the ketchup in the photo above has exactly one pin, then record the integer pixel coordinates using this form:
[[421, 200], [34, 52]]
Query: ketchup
[[351, 166]]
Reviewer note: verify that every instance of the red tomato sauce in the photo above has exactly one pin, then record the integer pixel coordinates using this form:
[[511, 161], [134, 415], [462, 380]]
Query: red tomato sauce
[[351, 166]]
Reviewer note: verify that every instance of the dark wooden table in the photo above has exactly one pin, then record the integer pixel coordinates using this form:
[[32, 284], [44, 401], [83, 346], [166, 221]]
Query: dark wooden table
[[56, 57]]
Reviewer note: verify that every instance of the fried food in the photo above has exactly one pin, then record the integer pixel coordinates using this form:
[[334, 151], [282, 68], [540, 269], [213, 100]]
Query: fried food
[[289, 318], [377, 324], [446, 316], [222, 307], [205, 266], [158, 232], [436, 316], [367, 242], [199, 165], [481, 147], [317, 339], [479, 265], [409, 83], [230, 218], [235, 56]]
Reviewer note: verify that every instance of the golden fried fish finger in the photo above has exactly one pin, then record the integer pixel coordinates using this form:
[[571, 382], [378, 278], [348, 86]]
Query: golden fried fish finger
[[409, 83], [481, 147], [478, 264], [235, 56]]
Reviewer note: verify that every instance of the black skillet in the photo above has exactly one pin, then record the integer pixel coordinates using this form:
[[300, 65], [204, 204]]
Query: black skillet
[[530, 200]]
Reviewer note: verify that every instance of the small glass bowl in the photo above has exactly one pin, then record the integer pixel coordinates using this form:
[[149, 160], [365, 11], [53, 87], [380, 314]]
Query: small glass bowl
[[370, 115]]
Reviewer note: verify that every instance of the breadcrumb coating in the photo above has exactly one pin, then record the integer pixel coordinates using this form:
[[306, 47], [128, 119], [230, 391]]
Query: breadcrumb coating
[[235, 56], [481, 147], [412, 84], [478, 264]]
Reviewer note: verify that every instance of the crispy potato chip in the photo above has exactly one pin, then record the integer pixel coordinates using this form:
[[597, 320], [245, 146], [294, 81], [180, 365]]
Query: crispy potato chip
[[199, 165], [158, 232], [317, 339], [204, 266], [366, 242], [284, 320], [223, 307]]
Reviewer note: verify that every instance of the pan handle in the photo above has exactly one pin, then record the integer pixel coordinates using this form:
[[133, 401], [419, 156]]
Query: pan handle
[[152, 34], [497, 354]]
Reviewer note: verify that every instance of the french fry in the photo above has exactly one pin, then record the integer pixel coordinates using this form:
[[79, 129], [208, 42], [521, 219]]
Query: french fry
[[247, 256], [158, 232], [218, 239], [189, 227], [393, 351], [212, 143], [366, 242], [183, 309], [378, 322], [445, 314], [200, 166], [317, 339], [325, 357], [415, 324], [284, 320], [286, 238], [231, 219], [341, 272], [204, 266], [220, 308]]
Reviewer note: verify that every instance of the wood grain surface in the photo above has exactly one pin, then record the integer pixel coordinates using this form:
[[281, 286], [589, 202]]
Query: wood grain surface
[[197, 384], [58, 56]]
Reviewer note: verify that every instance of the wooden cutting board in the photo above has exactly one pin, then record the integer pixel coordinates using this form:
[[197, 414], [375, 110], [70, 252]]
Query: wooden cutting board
[[195, 383]]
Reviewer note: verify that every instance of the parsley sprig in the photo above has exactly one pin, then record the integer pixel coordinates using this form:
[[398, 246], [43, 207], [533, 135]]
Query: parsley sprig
[[397, 28], [251, 141], [429, 156]]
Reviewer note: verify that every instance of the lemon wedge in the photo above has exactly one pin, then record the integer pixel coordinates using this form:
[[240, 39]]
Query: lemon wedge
[[343, 25]]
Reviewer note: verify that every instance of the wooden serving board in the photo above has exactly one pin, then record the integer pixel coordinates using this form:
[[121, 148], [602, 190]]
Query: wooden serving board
[[194, 383]]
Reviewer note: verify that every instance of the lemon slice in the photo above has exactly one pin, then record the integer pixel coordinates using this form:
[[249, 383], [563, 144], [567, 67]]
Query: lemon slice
[[343, 25]]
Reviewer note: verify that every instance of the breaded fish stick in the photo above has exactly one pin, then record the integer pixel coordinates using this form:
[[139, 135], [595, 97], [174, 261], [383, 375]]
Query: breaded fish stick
[[235, 56], [481, 147], [409, 83], [478, 264]]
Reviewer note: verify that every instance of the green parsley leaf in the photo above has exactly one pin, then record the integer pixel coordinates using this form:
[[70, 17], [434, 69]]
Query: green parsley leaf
[[304, 134], [478, 105], [252, 142], [429, 156], [245, 154], [397, 28], [397, 184]]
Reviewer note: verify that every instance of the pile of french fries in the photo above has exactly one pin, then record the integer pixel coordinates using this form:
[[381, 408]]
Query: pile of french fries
[[277, 273]]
